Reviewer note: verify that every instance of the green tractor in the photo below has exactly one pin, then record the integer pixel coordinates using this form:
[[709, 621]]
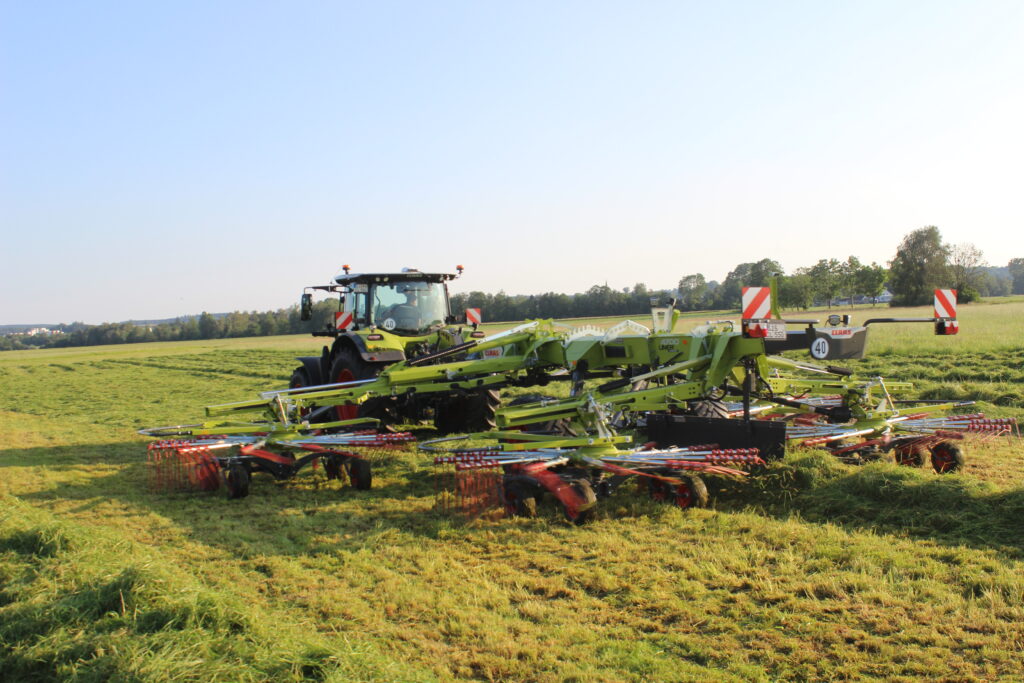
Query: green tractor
[[384, 318]]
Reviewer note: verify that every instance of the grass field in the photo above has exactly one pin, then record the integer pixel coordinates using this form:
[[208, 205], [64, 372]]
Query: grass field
[[815, 571]]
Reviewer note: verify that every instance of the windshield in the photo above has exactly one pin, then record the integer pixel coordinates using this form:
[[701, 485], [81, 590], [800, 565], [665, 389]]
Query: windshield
[[408, 306]]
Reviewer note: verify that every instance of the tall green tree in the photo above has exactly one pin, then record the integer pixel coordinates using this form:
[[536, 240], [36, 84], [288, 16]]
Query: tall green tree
[[920, 266], [967, 267], [826, 279], [729, 293], [1016, 268], [692, 291], [871, 281], [797, 290]]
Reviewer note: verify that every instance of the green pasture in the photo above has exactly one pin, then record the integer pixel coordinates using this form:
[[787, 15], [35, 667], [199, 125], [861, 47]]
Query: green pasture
[[814, 571]]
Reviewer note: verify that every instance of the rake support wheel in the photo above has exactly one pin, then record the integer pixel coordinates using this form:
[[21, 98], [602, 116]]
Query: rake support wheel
[[236, 480], [584, 512], [691, 492], [947, 457], [519, 497], [360, 474]]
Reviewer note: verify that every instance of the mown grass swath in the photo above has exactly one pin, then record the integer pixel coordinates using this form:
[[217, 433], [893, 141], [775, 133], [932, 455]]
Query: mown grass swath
[[815, 570]]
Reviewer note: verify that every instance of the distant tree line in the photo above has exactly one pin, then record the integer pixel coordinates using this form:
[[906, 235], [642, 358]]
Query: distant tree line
[[922, 263]]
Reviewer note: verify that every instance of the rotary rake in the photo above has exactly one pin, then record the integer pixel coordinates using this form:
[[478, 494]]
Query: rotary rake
[[205, 461], [516, 469], [910, 434]]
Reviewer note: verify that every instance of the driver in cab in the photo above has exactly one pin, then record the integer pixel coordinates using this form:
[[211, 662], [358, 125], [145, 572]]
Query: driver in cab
[[405, 316]]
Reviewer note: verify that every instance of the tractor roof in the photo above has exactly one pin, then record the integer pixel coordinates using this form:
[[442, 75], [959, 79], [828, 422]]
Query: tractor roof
[[404, 276]]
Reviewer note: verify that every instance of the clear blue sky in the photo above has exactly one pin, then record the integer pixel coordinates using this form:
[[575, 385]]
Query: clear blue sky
[[165, 158]]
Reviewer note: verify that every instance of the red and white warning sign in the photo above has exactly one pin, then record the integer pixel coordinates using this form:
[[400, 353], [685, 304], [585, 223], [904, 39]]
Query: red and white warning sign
[[945, 303], [473, 316], [757, 303], [342, 320]]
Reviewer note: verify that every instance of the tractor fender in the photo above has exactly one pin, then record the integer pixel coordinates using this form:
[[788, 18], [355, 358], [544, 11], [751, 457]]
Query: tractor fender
[[357, 343], [315, 367]]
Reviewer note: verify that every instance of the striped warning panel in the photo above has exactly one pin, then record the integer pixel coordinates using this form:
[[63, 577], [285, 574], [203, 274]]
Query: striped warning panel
[[473, 316], [945, 303], [342, 320], [757, 303]]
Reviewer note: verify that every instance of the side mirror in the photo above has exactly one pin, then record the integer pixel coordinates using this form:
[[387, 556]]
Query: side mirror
[[306, 307]]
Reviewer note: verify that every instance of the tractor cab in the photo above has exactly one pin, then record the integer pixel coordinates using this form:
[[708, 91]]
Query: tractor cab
[[407, 303]]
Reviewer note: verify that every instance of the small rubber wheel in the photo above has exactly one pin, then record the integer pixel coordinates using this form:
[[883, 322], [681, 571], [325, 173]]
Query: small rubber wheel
[[691, 493], [518, 497], [585, 511], [659, 490], [333, 466], [909, 456], [236, 480], [359, 473], [947, 457]]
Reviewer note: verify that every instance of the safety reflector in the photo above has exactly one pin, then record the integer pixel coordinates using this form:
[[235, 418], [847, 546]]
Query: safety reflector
[[757, 303], [945, 303], [342, 320], [473, 316]]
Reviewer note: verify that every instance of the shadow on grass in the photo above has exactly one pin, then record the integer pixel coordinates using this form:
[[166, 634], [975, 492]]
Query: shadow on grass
[[951, 509], [311, 515], [307, 514]]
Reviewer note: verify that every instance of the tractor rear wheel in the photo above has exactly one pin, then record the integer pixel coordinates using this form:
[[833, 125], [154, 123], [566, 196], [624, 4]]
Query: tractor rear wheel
[[947, 457], [348, 366]]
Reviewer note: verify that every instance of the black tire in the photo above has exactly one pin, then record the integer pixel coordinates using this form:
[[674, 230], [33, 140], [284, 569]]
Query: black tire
[[333, 466], [299, 378], [691, 493], [348, 366], [519, 496], [236, 480], [909, 456], [659, 490], [947, 457], [708, 407], [360, 474], [586, 511], [472, 412]]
